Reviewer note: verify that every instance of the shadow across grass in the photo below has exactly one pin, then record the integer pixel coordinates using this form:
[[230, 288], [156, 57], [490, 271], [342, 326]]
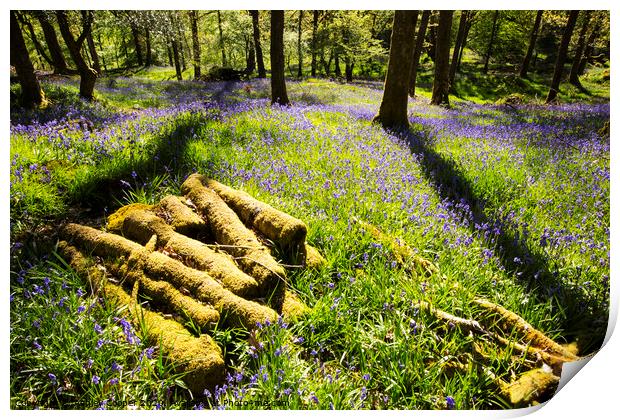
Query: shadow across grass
[[581, 319]]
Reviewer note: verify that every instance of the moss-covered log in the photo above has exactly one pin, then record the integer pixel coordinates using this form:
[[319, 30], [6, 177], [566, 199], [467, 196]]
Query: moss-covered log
[[180, 216], [229, 230], [234, 310], [283, 229], [533, 387], [141, 225], [199, 357]]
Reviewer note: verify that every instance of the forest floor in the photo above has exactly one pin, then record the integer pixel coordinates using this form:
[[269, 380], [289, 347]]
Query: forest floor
[[509, 201]]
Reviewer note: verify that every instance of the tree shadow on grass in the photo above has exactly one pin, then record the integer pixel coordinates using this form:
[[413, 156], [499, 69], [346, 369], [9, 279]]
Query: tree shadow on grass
[[580, 319]]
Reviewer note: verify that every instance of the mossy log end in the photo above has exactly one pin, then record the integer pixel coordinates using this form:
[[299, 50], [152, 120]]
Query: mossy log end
[[284, 229], [531, 388], [180, 216], [229, 230]]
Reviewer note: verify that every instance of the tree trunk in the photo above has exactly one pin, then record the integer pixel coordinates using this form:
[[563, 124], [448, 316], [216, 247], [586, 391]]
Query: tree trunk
[[419, 44], [195, 43], [432, 36], [278, 84], [177, 61], [348, 68], [105, 68], [169, 51], [149, 53], [441, 83], [487, 56], [300, 57], [25, 22], [260, 65], [93, 52], [315, 25], [393, 109], [590, 47], [457, 49], [58, 59], [88, 76], [31, 95], [470, 16], [137, 46], [219, 26], [574, 71], [559, 63], [337, 70], [530, 48]]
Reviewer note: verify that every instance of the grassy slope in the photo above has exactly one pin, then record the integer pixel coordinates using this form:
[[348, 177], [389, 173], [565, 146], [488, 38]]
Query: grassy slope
[[365, 344]]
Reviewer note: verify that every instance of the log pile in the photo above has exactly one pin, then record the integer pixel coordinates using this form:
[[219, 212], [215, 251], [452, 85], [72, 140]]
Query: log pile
[[160, 252]]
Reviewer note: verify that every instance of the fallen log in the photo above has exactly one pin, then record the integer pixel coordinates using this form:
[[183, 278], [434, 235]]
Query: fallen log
[[233, 309], [283, 229], [229, 230], [141, 225], [199, 357], [180, 216]]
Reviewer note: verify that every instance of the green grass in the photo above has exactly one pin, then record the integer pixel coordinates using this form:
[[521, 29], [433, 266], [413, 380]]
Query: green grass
[[366, 343]]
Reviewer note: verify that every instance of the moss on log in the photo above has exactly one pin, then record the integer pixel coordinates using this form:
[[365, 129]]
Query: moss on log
[[180, 216]]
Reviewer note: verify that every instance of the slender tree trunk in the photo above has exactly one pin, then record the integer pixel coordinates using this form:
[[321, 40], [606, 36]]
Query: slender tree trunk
[[337, 70], [393, 109], [169, 50], [315, 25], [58, 59], [559, 63], [177, 61], [260, 64], [589, 48], [88, 76], [417, 52], [300, 57], [487, 56], [149, 53], [573, 78], [93, 52], [470, 16], [432, 36], [105, 67], [31, 95], [348, 68], [137, 45], [25, 22], [219, 26], [251, 58], [195, 43], [530, 48], [441, 83], [278, 84], [457, 49]]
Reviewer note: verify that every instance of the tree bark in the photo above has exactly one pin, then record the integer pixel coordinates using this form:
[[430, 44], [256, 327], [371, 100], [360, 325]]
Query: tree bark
[[278, 83], [260, 64], [470, 17], [219, 26], [137, 46], [58, 59], [149, 53], [419, 45], [300, 57], [441, 82], [177, 61], [25, 22], [315, 25], [590, 47], [457, 48], [93, 52], [195, 44], [169, 51], [487, 56], [31, 95], [393, 109], [559, 63], [573, 78], [88, 76], [337, 70], [530, 48]]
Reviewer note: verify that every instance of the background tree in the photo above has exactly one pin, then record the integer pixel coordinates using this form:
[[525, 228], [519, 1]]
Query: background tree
[[193, 18], [51, 39], [300, 56], [260, 64], [561, 59], [393, 109], [530, 48], [278, 83], [88, 75], [419, 45], [494, 29], [315, 25], [457, 48], [31, 93], [441, 81], [573, 77]]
